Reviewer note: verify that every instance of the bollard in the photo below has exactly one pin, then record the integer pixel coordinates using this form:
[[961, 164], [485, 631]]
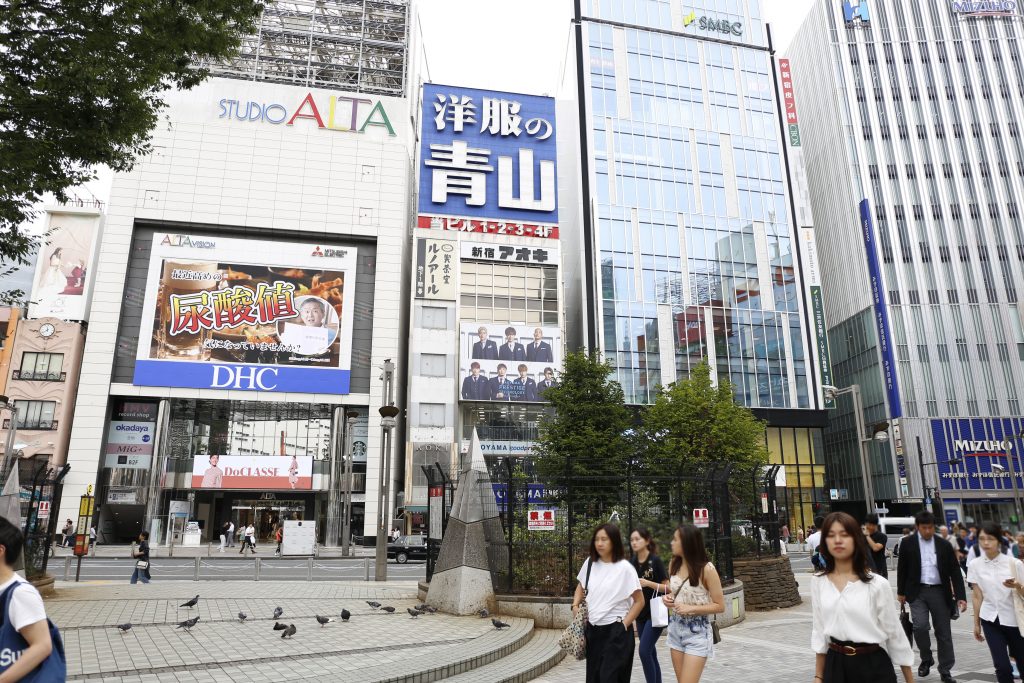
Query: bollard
[[196, 578], [366, 566], [209, 545], [257, 569], [67, 567], [309, 569]]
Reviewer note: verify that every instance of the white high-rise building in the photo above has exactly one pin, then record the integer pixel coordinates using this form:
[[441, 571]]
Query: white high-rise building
[[910, 122]]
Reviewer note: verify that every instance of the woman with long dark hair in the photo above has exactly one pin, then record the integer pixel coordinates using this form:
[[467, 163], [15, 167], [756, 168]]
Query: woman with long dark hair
[[694, 594], [651, 571], [614, 600], [855, 632], [994, 577]]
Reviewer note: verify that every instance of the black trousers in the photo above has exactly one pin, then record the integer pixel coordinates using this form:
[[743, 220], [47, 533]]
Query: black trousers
[[875, 667], [999, 639], [609, 653], [934, 602]]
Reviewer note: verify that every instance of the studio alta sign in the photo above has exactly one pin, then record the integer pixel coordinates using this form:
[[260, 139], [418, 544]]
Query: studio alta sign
[[343, 113]]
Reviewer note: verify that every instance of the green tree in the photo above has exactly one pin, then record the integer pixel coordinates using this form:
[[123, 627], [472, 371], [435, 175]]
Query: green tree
[[81, 86], [588, 430], [694, 425]]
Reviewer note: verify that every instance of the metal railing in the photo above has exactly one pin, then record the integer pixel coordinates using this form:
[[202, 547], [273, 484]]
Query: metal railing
[[39, 376]]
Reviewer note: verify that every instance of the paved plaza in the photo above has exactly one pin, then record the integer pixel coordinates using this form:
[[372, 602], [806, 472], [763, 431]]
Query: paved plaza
[[770, 647]]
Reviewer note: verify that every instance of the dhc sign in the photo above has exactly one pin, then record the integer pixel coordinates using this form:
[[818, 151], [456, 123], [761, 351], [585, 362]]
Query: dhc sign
[[986, 8]]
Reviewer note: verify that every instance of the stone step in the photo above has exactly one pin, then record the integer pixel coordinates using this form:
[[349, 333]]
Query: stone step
[[528, 662]]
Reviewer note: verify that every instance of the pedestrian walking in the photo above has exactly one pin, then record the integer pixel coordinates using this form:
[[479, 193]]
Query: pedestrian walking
[[929, 579], [994, 578], [876, 545], [653, 580], [279, 537], [69, 534], [813, 541], [141, 555], [784, 533], [92, 535], [694, 595], [231, 534], [241, 533], [614, 600], [248, 539], [855, 631], [224, 535]]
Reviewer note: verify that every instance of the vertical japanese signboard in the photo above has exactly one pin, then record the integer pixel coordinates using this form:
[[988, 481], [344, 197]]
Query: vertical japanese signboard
[[487, 162], [436, 264], [892, 389], [789, 103]]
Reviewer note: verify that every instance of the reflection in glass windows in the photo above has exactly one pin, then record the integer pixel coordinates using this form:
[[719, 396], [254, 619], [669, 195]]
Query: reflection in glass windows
[[505, 293]]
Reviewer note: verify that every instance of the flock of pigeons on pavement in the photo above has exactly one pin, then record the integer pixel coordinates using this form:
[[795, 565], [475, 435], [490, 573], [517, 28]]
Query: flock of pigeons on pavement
[[289, 630]]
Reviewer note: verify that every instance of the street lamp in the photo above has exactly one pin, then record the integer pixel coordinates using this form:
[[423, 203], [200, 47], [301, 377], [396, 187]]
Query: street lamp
[[879, 433], [388, 419], [346, 524], [938, 476]]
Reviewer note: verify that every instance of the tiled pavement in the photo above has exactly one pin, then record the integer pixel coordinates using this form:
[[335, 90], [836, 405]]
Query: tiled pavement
[[774, 647]]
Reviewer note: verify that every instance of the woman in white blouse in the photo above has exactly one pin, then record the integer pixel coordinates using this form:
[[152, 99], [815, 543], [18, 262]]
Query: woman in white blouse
[[855, 631], [995, 576]]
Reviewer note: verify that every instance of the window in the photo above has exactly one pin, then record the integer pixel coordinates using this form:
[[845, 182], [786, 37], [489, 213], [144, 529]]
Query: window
[[435, 318], [36, 414], [433, 365], [432, 415], [41, 366], [505, 293]]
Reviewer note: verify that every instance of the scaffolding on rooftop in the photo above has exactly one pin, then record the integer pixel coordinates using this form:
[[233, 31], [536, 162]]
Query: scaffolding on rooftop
[[356, 45]]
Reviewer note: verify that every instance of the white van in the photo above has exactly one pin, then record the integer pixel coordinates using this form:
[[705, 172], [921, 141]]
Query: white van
[[893, 528]]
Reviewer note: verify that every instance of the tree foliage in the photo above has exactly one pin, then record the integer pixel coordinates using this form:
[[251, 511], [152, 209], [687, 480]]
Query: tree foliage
[[81, 85], [693, 424], [587, 433]]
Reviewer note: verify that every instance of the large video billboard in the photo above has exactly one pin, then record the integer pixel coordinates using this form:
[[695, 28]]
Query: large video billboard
[[508, 362], [488, 162], [249, 315], [261, 472], [64, 264]]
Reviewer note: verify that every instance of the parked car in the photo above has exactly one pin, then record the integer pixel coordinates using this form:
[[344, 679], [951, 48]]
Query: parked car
[[408, 548]]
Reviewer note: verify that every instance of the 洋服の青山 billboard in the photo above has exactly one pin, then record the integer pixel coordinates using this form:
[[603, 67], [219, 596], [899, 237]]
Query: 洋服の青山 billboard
[[249, 315], [500, 362], [261, 472]]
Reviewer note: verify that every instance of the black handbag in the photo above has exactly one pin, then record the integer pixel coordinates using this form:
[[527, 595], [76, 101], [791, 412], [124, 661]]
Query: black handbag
[[908, 626]]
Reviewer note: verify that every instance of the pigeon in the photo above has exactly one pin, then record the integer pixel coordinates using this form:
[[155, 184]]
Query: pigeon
[[499, 624], [429, 610], [289, 632], [277, 613], [388, 609], [413, 612], [484, 614], [423, 608], [323, 621], [191, 603], [125, 627], [345, 614], [242, 616], [373, 605], [279, 627], [188, 623]]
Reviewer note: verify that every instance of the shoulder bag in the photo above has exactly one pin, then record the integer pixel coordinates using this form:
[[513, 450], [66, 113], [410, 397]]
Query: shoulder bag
[[12, 644], [574, 638]]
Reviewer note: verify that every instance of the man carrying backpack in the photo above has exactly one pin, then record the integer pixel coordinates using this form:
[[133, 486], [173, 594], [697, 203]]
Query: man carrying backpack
[[813, 541]]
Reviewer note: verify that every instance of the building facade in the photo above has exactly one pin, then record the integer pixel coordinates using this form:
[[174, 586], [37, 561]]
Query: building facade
[[911, 133], [250, 287], [685, 218]]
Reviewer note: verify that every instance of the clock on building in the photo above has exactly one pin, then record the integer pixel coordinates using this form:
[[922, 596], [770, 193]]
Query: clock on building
[[46, 330]]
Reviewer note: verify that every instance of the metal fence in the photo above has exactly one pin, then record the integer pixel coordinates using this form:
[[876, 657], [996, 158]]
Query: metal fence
[[756, 525], [539, 532], [45, 487]]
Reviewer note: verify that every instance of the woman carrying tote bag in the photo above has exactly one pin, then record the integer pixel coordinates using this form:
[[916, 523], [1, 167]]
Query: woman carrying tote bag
[[614, 600], [997, 593], [651, 571]]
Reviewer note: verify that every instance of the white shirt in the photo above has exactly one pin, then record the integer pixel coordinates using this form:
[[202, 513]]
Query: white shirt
[[989, 575], [863, 613], [26, 606], [610, 591], [249, 530], [929, 562], [813, 541]]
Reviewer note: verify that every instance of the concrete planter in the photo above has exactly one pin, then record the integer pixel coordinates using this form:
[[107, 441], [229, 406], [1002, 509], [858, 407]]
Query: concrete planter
[[769, 582]]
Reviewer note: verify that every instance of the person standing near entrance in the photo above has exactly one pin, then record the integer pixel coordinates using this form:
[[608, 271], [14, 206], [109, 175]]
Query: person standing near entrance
[[142, 560], [929, 578], [224, 537], [279, 537]]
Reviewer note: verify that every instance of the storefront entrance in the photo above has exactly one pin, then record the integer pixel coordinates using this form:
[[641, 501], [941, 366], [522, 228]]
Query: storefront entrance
[[264, 515]]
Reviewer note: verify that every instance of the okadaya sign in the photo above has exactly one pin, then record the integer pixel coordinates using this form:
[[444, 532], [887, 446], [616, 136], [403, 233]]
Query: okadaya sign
[[984, 448], [260, 472], [247, 315]]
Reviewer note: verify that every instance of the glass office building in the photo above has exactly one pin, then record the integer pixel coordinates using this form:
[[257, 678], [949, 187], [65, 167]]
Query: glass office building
[[686, 222]]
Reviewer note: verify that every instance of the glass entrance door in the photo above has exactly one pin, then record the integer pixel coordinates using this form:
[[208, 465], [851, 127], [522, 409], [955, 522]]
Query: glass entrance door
[[264, 515]]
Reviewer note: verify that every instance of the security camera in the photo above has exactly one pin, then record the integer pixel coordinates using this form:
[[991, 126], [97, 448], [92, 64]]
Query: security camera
[[830, 392]]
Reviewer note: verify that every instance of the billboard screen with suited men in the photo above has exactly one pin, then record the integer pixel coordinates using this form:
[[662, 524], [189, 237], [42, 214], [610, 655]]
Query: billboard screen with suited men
[[501, 362]]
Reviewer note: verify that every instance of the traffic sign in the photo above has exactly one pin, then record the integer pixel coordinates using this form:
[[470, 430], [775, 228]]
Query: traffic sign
[[700, 518]]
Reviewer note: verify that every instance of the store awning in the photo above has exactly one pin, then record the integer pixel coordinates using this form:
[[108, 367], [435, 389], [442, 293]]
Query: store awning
[[415, 508]]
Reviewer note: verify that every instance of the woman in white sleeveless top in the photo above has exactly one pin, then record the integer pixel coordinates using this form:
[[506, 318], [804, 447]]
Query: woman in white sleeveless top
[[694, 594]]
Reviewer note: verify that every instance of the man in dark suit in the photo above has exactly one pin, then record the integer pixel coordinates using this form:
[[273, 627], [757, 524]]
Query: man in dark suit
[[524, 388], [501, 386], [546, 383], [485, 349], [475, 387], [928, 577], [539, 351], [511, 349]]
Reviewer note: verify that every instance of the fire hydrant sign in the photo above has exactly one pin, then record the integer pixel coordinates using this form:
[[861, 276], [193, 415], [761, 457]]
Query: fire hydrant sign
[[700, 518], [541, 520]]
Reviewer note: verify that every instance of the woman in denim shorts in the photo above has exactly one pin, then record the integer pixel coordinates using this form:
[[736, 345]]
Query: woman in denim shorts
[[695, 593]]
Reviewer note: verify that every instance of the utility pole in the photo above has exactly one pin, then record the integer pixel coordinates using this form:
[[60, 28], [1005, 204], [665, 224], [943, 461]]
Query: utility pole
[[346, 528], [388, 419]]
